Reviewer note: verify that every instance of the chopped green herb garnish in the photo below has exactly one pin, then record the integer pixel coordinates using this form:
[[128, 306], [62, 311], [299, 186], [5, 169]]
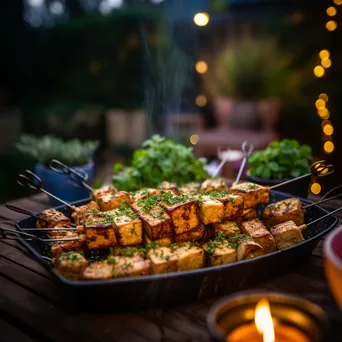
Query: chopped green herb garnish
[[111, 261]]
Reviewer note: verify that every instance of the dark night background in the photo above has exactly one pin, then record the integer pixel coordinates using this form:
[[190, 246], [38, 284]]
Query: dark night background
[[61, 74]]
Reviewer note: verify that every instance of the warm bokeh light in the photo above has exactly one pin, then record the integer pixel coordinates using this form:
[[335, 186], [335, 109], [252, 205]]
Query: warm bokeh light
[[328, 129], [315, 188], [331, 25], [325, 122], [331, 11], [194, 139], [201, 19], [329, 147], [263, 320], [320, 104], [326, 62], [338, 2], [324, 97], [201, 101], [323, 113], [324, 54], [322, 169], [319, 71], [201, 67]]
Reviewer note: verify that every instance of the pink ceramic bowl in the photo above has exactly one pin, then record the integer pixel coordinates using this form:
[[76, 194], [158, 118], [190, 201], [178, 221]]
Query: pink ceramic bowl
[[332, 251]]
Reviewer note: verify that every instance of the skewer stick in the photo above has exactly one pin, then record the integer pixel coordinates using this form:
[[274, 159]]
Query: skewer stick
[[321, 201], [219, 167], [319, 169], [25, 212], [246, 149], [34, 237], [32, 181], [76, 178], [304, 226]]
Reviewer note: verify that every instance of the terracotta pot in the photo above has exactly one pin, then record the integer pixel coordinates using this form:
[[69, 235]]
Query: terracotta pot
[[246, 114], [332, 251]]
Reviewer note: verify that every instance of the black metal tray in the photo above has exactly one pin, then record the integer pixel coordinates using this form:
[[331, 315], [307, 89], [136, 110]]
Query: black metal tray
[[176, 288]]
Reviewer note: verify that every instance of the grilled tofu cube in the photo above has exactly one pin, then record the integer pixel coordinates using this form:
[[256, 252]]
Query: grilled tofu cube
[[104, 190], [100, 270], [248, 249], [172, 187], [194, 234], [65, 246], [182, 210], [286, 234], [219, 253], [143, 194], [112, 201], [83, 211], [210, 210], [165, 241], [227, 228], [55, 217], [99, 231], [189, 188], [156, 222], [283, 211], [71, 265], [247, 215], [127, 226], [233, 204], [253, 194], [259, 233], [216, 184], [131, 266], [162, 260], [189, 257]]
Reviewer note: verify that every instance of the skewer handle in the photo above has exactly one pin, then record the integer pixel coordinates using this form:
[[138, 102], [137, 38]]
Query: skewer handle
[[289, 181]]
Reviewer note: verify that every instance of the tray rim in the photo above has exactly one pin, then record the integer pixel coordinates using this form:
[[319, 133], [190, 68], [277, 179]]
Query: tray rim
[[164, 276]]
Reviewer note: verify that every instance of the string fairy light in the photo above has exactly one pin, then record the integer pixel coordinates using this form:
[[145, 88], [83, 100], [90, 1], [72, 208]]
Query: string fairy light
[[321, 101]]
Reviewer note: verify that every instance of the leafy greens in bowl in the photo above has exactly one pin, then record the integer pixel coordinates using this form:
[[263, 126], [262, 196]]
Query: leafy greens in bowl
[[281, 160], [158, 160]]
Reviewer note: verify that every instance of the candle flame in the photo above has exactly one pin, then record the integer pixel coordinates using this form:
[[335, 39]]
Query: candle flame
[[263, 320]]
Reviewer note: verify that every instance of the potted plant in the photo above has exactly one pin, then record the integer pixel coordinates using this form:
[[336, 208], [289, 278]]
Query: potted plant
[[281, 161], [248, 80], [73, 153]]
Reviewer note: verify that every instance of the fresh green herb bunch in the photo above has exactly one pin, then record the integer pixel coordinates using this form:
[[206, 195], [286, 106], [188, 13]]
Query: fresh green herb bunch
[[281, 160], [159, 159], [44, 149]]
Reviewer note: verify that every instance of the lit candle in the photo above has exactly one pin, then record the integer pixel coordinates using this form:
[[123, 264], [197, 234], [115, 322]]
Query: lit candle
[[265, 329]]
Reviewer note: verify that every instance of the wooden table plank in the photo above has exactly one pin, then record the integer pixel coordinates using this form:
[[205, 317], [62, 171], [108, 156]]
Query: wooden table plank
[[10, 333], [29, 297]]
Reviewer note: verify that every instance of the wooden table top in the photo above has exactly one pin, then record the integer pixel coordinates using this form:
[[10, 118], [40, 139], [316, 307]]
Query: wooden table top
[[32, 306]]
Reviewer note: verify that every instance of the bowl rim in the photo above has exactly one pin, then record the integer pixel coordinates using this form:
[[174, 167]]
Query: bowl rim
[[328, 251], [218, 307]]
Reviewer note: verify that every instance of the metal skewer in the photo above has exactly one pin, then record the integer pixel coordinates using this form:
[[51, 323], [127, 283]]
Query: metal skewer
[[246, 148], [321, 201], [32, 181], [31, 237], [319, 169], [25, 212], [223, 161], [76, 178], [304, 226]]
